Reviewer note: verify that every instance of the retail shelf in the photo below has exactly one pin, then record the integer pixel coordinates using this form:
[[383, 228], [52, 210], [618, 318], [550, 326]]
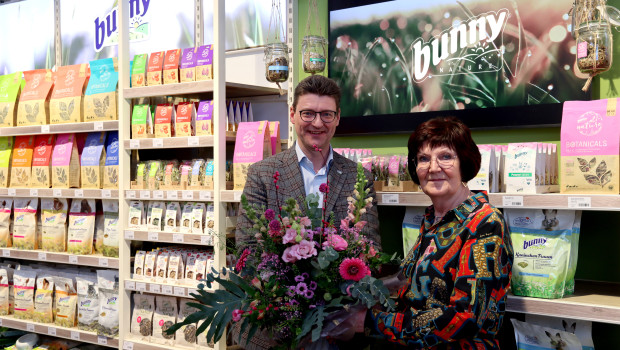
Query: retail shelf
[[592, 301], [160, 288], [198, 87], [133, 344], [62, 332], [59, 193], [186, 195], [62, 258], [173, 142], [231, 196], [169, 237], [107, 125], [516, 200]]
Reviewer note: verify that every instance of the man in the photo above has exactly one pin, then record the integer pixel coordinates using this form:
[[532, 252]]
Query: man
[[310, 163]]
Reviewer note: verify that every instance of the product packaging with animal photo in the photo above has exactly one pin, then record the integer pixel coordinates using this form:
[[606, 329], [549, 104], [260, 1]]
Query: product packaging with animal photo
[[88, 302], [44, 298], [66, 104], [54, 224], [25, 223], [33, 107], [23, 286], [81, 226], [101, 95]]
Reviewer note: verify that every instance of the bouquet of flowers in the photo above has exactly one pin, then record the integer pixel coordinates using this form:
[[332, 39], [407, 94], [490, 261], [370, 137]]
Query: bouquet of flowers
[[301, 269]]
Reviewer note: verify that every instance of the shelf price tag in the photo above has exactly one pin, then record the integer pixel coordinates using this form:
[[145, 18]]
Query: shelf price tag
[[178, 238], [208, 240], [158, 194], [11, 192], [155, 288], [193, 141], [391, 198], [158, 143], [127, 345], [57, 193], [206, 196], [98, 126], [145, 194], [29, 327], [188, 195], [130, 285], [75, 335], [79, 193], [166, 289], [154, 236], [179, 291], [134, 144], [73, 259], [0, 322], [103, 262], [140, 286], [106, 193], [45, 129], [130, 194], [34, 192], [51, 331], [237, 196], [579, 202], [6, 253], [101, 340], [512, 201], [172, 195], [129, 235], [43, 256]]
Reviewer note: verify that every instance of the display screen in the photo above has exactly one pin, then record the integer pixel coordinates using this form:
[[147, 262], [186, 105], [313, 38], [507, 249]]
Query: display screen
[[473, 58]]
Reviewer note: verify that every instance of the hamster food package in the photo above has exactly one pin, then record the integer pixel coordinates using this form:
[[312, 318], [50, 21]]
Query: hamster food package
[[81, 226]]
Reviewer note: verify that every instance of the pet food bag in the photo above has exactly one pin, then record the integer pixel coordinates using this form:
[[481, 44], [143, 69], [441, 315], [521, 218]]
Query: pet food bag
[[10, 87], [520, 173], [486, 179], [110, 228], [41, 175], [6, 150], [186, 335], [155, 68], [54, 224], [87, 302], [414, 219], [582, 329], [164, 120], [93, 160], [138, 70], [188, 64], [150, 260], [171, 66], [165, 316], [6, 205], [185, 119], [65, 162], [186, 218], [33, 108], [101, 96], [208, 183], [274, 131], [65, 302], [136, 216], [173, 217], [110, 177], [138, 265], [6, 290], [569, 287], [204, 63], [590, 146], [44, 299], [142, 316], [25, 223], [141, 123], [66, 104], [198, 218], [204, 118], [107, 281], [81, 226], [530, 336], [23, 287], [156, 216], [21, 166], [253, 143]]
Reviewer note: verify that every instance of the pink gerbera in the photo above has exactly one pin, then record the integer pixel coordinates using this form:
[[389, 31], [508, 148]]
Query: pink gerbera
[[353, 269]]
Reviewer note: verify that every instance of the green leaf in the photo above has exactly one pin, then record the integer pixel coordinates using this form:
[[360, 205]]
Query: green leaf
[[313, 322]]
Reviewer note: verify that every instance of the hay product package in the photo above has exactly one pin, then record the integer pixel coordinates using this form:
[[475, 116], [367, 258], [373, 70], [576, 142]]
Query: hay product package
[[100, 96], [142, 316], [141, 123], [198, 218], [165, 316], [154, 69], [188, 64], [87, 303], [155, 216], [156, 174], [110, 177], [65, 162], [486, 179], [6, 150], [93, 160], [138, 70], [136, 215], [23, 287], [414, 218], [110, 228], [41, 175], [204, 63], [186, 172], [185, 119], [21, 166], [542, 245], [33, 108], [164, 120], [172, 174], [530, 336], [6, 205], [81, 226], [149, 265], [198, 172], [66, 104], [25, 223], [65, 302], [6, 290], [161, 271], [44, 299], [10, 87], [210, 219], [204, 118], [107, 281], [138, 265], [186, 217], [208, 179], [520, 173], [253, 144], [590, 146], [54, 224], [173, 217], [569, 287], [186, 335], [171, 66]]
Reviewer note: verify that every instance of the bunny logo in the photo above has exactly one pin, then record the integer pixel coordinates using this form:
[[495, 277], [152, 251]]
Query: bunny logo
[[550, 220]]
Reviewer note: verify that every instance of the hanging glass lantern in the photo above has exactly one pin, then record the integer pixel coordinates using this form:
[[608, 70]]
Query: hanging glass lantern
[[313, 49]]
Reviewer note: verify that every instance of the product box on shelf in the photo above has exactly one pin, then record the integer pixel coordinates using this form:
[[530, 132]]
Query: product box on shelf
[[590, 140], [253, 144], [42, 161], [93, 160], [110, 178], [100, 96], [274, 131], [185, 121], [6, 150], [171, 66], [33, 108], [22, 161], [141, 126], [204, 118], [66, 101], [155, 68], [65, 162], [138, 70], [486, 179], [164, 120], [10, 87], [204, 63], [188, 64]]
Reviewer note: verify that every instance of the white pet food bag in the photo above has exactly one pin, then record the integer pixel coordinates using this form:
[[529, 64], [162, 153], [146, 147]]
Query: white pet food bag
[[530, 336]]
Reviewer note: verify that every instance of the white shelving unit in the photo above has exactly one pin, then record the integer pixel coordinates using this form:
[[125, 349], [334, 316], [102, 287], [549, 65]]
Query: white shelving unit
[[59, 193], [186, 195], [61, 258], [169, 237], [109, 125]]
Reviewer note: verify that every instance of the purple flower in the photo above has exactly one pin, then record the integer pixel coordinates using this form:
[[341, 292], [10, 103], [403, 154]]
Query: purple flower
[[312, 285], [274, 226], [299, 278], [309, 294], [305, 275], [270, 214], [291, 291], [324, 188], [302, 288]]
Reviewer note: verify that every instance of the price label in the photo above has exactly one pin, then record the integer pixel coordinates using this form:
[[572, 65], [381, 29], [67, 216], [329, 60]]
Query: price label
[[145, 194], [134, 144], [6, 253], [193, 141], [101, 340], [45, 129], [106, 193], [155, 288], [166, 289], [98, 126], [172, 195], [141, 286], [206, 196], [127, 345], [57, 193], [75, 335], [0, 322], [391, 198], [43, 256], [158, 143], [51, 331], [579, 202], [73, 259], [179, 291], [237, 196], [158, 194], [129, 235], [79, 193], [130, 194], [154, 236], [130, 285], [34, 192], [11, 192], [208, 240], [178, 238], [188, 195], [29, 327], [103, 262], [512, 201]]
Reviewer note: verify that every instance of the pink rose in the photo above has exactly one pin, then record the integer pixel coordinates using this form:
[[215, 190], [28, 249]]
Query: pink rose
[[360, 225], [305, 221], [290, 235], [303, 250], [335, 241], [288, 256], [372, 252]]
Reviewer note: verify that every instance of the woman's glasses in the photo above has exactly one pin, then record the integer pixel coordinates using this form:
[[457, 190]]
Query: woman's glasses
[[444, 161]]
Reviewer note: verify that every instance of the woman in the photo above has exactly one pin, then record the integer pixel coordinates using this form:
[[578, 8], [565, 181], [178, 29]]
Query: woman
[[459, 270]]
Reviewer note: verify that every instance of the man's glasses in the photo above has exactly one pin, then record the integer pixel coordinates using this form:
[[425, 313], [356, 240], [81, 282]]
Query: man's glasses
[[444, 161], [326, 116]]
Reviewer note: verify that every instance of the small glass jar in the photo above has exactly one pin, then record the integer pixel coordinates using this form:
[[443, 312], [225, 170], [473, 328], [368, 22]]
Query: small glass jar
[[594, 47], [276, 62], [313, 50]]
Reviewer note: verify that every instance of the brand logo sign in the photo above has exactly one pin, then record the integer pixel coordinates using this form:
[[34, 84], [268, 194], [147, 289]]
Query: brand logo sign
[[589, 123], [106, 28]]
